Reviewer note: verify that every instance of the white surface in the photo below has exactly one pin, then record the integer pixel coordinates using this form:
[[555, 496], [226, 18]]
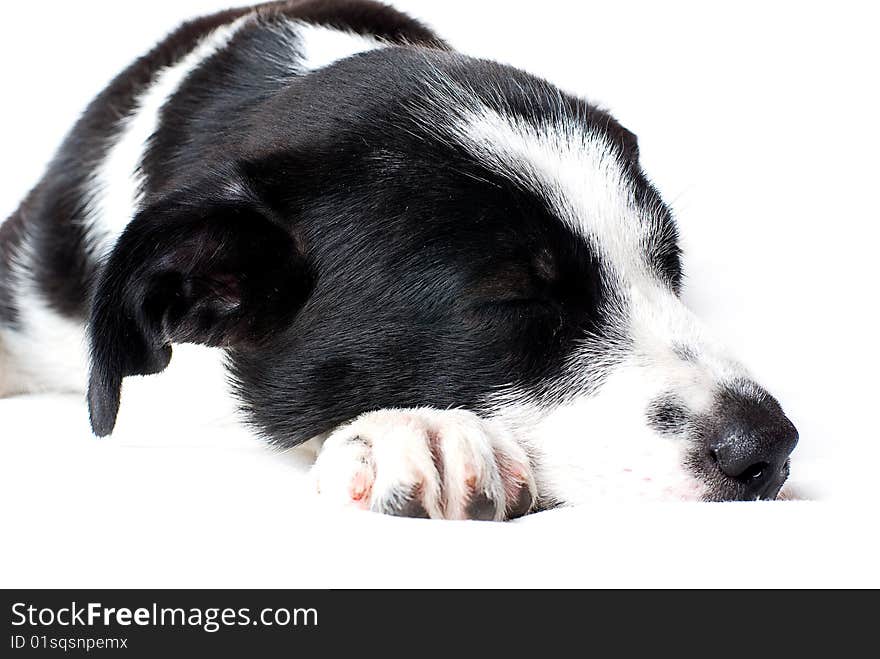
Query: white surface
[[757, 122]]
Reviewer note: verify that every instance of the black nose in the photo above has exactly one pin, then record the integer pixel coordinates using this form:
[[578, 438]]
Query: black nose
[[752, 446]]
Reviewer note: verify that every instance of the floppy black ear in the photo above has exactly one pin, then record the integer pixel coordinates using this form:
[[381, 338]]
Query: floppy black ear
[[218, 273]]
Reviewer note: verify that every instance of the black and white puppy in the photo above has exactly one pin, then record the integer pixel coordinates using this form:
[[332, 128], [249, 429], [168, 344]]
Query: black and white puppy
[[452, 272]]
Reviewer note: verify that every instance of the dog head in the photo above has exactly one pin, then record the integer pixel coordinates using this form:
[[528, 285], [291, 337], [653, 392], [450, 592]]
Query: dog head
[[411, 228]]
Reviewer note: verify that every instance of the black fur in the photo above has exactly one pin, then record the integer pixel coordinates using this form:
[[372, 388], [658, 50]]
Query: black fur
[[413, 254], [11, 233], [57, 208], [417, 255], [195, 269], [348, 254]]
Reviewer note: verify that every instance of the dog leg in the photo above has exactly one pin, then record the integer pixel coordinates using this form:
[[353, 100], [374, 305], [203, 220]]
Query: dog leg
[[426, 463]]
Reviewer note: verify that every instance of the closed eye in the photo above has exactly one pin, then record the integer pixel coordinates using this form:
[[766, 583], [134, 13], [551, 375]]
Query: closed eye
[[519, 303], [544, 312]]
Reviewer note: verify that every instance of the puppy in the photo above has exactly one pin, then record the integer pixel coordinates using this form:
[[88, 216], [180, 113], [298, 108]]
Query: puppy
[[454, 274]]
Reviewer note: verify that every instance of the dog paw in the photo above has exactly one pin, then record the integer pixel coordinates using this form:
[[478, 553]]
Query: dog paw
[[426, 463]]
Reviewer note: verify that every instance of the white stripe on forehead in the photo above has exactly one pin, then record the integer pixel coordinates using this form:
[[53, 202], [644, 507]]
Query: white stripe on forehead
[[578, 172]]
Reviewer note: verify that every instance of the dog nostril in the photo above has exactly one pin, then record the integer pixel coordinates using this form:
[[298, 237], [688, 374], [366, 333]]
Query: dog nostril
[[753, 473], [741, 466]]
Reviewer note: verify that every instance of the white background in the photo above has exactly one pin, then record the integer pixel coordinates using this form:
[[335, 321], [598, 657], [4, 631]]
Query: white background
[[757, 121]]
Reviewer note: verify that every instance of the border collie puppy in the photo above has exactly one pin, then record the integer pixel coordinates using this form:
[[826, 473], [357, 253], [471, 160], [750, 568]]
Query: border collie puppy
[[454, 274]]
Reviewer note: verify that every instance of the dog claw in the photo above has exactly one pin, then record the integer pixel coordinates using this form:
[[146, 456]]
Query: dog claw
[[481, 508], [403, 503], [521, 504], [411, 507]]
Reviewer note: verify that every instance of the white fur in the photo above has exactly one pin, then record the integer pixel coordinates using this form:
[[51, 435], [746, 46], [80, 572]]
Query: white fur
[[615, 454], [46, 352], [377, 461], [576, 171], [599, 447], [611, 380], [319, 46]]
